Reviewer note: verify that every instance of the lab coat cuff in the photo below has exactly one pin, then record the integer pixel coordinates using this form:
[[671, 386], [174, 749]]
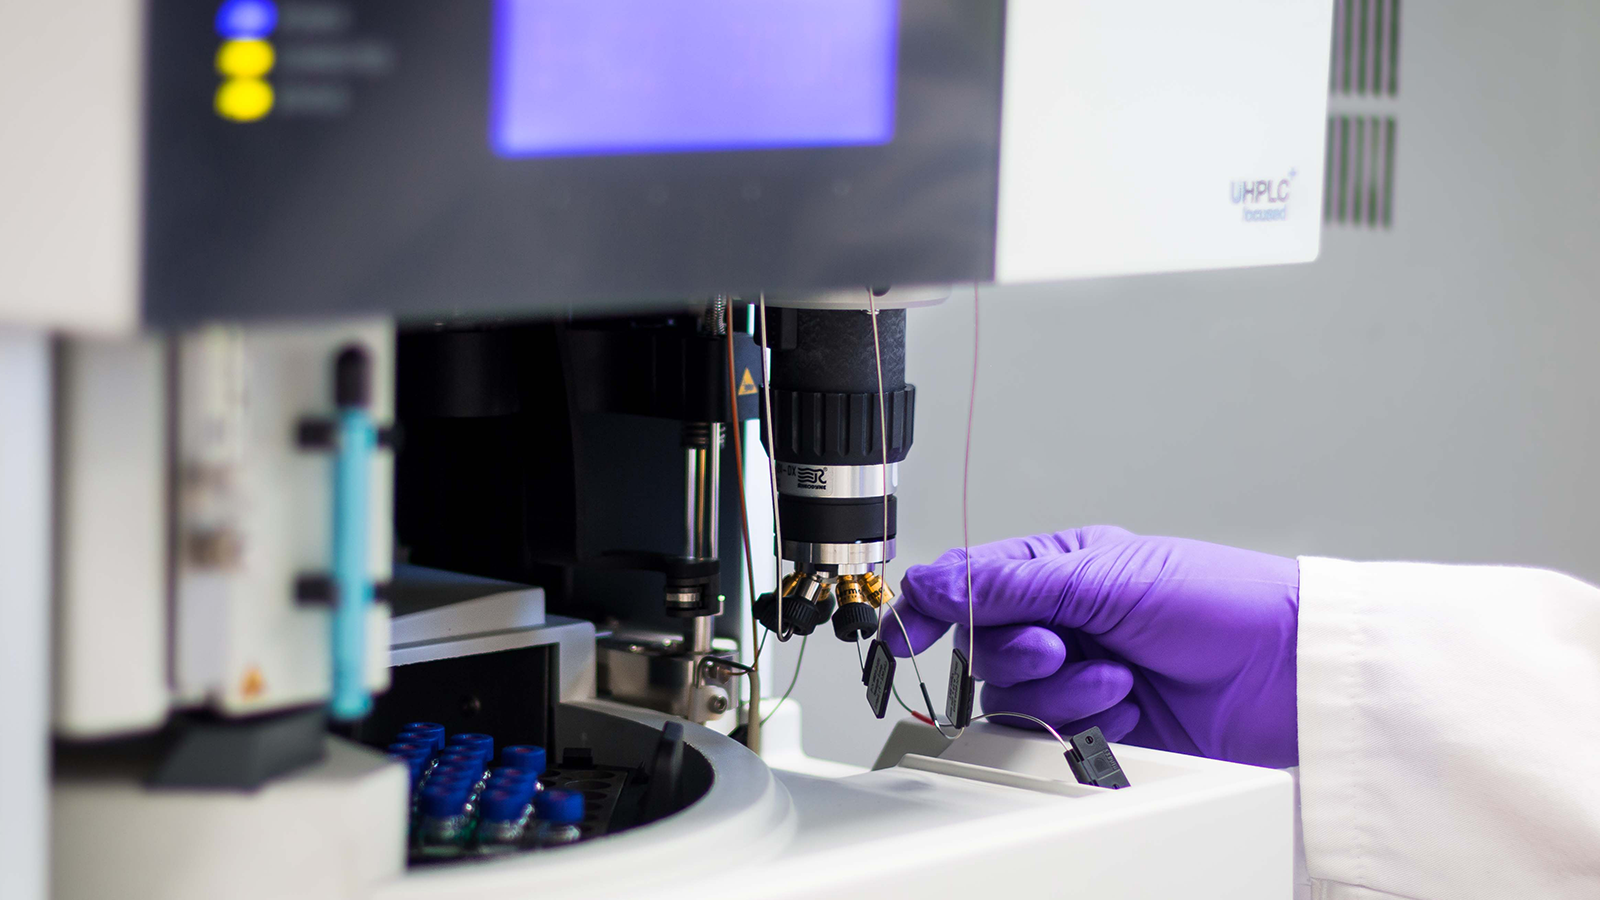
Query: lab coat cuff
[[1334, 641]]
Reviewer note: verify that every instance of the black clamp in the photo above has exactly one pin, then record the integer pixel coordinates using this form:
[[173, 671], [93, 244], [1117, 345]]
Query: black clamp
[[318, 589]]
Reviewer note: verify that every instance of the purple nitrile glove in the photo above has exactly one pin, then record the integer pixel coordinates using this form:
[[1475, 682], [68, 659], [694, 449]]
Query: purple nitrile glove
[[1162, 642]]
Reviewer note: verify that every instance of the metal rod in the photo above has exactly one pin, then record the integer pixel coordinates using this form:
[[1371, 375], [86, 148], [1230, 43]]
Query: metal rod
[[701, 632], [702, 496]]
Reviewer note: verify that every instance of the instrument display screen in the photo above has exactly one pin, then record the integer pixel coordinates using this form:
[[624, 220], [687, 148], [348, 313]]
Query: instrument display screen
[[532, 157], [615, 77]]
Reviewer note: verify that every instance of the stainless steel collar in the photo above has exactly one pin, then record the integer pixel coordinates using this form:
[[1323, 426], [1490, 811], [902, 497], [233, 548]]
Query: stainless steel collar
[[836, 482]]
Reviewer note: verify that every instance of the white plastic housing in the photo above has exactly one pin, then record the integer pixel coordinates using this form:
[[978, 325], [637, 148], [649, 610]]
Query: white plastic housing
[[111, 618], [1000, 817], [71, 163], [243, 644], [332, 831], [1128, 128]]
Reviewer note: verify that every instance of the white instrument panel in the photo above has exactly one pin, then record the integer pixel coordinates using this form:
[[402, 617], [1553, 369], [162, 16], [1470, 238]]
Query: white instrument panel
[[1161, 136]]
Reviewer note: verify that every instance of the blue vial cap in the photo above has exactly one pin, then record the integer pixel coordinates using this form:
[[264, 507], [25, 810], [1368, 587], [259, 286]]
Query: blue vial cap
[[516, 781], [440, 801], [524, 756], [460, 757], [432, 730], [470, 773], [245, 19], [560, 807], [481, 743], [435, 747], [503, 806], [412, 751]]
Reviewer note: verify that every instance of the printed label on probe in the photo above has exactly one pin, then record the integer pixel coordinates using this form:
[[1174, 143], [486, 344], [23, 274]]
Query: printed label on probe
[[958, 700], [879, 677]]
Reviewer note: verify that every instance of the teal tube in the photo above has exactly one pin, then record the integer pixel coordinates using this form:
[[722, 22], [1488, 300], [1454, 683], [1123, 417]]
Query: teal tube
[[352, 483]]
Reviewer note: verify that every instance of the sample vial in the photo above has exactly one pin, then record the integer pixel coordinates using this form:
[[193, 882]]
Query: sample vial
[[467, 777], [479, 743], [432, 730], [422, 754], [503, 820], [527, 758], [514, 779], [559, 813], [467, 761], [446, 821]]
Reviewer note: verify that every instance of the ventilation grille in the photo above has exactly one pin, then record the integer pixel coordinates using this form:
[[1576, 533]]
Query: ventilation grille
[[1366, 48], [1360, 173]]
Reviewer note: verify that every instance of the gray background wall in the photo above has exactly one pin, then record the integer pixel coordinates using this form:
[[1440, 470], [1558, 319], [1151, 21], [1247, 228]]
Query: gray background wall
[[1426, 392]]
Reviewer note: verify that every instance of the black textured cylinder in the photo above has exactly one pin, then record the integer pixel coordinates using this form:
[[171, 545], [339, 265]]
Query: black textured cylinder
[[855, 622], [834, 521], [799, 616], [817, 429], [830, 408], [832, 351]]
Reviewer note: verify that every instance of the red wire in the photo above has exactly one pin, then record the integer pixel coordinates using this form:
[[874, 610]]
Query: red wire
[[922, 718]]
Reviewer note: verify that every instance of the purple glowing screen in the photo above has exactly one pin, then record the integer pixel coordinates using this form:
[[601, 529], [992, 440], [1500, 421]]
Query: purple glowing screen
[[590, 77]]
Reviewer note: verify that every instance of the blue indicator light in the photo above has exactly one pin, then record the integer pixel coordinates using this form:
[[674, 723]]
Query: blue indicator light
[[245, 19], [653, 76]]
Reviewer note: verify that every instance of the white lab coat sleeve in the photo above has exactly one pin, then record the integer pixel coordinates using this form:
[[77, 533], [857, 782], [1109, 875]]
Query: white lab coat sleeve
[[1449, 724]]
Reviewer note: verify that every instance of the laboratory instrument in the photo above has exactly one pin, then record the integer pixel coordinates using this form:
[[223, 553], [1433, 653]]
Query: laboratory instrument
[[405, 364]]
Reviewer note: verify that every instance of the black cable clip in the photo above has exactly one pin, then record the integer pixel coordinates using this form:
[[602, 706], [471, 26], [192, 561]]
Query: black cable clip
[[1093, 762]]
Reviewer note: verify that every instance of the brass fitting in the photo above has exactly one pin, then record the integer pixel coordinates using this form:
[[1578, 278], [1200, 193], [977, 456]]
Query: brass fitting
[[851, 589], [878, 592], [807, 587]]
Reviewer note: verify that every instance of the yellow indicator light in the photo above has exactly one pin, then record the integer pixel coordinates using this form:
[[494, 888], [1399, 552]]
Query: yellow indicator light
[[244, 99], [245, 59]]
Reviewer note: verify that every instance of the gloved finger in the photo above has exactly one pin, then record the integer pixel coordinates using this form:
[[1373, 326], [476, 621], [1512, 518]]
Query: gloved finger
[[1115, 723], [1039, 545], [1011, 654], [900, 621], [1076, 691], [1010, 592]]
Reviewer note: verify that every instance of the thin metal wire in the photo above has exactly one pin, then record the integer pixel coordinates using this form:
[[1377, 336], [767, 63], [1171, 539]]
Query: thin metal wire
[[921, 685], [793, 680], [914, 667], [872, 307], [883, 441], [772, 468], [966, 467], [1042, 723]]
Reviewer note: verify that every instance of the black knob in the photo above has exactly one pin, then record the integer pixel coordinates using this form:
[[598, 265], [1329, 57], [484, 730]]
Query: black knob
[[800, 616], [855, 621]]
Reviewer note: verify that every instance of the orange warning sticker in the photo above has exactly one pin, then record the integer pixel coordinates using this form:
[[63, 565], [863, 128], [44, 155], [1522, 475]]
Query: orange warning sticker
[[747, 385]]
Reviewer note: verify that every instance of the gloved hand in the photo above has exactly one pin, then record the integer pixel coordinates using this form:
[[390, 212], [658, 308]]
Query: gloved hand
[[1162, 642]]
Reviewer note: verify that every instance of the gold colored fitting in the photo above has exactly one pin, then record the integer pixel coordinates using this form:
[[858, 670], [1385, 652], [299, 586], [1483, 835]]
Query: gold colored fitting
[[878, 592], [850, 589], [795, 583]]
